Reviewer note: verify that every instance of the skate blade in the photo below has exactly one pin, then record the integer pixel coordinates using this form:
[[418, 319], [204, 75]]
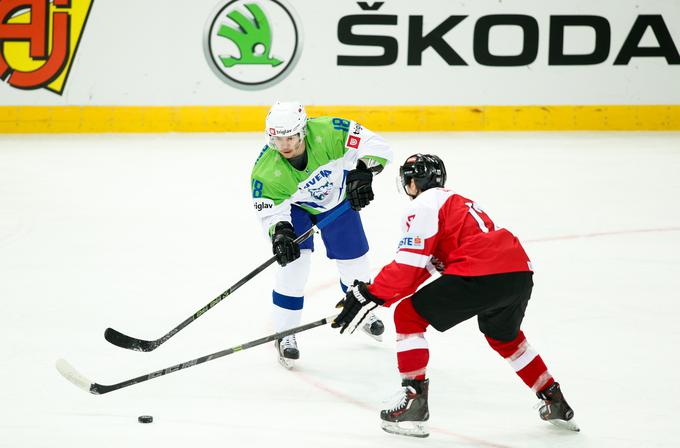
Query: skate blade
[[373, 336], [566, 424], [411, 429], [286, 362], [377, 337]]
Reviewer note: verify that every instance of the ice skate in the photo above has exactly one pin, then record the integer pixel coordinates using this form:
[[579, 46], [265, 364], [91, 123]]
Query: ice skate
[[288, 351], [373, 327], [408, 415], [555, 409]]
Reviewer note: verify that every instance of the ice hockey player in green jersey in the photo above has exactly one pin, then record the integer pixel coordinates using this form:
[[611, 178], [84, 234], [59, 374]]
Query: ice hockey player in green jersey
[[308, 168]]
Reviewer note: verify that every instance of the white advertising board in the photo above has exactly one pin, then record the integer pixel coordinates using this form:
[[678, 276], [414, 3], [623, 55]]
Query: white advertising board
[[394, 52]]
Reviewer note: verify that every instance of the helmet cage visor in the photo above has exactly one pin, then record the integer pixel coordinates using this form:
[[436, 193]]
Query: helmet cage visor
[[427, 171], [276, 141], [414, 170]]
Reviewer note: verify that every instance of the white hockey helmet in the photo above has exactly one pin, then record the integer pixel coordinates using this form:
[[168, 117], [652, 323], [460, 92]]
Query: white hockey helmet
[[285, 119]]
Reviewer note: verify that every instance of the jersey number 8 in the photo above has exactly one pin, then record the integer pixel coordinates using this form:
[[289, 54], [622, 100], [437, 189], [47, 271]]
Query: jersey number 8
[[340, 124], [257, 188]]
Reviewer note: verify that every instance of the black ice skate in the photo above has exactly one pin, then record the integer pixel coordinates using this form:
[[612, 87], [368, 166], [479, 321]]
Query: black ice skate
[[555, 409], [288, 351], [409, 413], [373, 327]]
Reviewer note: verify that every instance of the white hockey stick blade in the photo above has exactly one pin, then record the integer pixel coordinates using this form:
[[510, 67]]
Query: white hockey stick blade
[[411, 429], [71, 374]]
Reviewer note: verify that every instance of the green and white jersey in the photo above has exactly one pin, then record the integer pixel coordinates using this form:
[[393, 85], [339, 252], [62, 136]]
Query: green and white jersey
[[334, 146]]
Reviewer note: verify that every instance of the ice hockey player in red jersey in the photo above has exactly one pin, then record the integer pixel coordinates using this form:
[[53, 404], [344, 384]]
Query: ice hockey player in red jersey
[[485, 273]]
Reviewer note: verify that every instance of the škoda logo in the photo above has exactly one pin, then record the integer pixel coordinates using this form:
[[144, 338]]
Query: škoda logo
[[38, 40], [252, 44]]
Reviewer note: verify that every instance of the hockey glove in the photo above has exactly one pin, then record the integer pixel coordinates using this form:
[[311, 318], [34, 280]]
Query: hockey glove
[[359, 190], [437, 264], [356, 305], [284, 246]]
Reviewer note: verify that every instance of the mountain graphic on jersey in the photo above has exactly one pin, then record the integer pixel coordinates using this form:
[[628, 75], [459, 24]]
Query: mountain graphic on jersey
[[319, 186], [321, 192]]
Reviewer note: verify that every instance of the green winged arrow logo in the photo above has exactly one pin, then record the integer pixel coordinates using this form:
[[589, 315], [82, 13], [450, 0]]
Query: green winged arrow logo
[[252, 37], [252, 44]]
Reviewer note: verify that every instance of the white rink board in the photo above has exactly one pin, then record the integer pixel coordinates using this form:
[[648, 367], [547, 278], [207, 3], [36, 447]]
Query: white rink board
[[151, 53], [137, 232]]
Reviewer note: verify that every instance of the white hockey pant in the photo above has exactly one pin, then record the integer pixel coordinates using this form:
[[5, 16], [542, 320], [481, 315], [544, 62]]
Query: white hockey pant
[[292, 278]]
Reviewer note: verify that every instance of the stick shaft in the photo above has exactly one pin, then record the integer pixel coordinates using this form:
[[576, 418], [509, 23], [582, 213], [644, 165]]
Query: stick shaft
[[99, 389], [121, 340]]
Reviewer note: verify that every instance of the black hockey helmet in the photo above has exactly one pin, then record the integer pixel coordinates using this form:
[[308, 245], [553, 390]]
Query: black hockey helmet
[[427, 170]]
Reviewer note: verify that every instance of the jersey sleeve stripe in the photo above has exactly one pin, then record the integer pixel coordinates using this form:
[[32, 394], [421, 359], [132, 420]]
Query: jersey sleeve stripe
[[411, 259]]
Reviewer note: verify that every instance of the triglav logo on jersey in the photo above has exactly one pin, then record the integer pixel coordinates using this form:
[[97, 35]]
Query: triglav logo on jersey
[[38, 40], [252, 44], [263, 204]]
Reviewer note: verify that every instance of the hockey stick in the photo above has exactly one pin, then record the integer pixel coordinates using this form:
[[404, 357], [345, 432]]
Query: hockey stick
[[141, 345], [71, 374]]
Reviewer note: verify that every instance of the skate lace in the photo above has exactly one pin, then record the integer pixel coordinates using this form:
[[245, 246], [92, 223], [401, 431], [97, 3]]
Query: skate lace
[[399, 399], [289, 342]]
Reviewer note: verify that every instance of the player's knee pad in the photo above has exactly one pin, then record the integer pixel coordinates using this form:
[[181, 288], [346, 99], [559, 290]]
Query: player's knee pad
[[503, 325], [407, 320], [292, 278], [506, 347], [354, 269]]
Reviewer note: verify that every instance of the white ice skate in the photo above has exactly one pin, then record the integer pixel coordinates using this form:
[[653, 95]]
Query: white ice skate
[[373, 327], [288, 351]]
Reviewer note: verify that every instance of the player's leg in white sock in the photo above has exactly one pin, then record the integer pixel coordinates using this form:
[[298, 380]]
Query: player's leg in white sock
[[288, 300]]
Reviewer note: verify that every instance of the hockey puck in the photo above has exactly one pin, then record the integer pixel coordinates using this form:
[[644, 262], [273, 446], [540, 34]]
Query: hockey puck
[[145, 419]]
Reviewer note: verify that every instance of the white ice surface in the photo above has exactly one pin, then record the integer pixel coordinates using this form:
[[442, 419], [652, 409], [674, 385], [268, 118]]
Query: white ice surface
[[138, 232]]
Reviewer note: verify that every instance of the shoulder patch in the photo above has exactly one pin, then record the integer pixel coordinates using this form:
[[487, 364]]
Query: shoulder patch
[[412, 242], [353, 141]]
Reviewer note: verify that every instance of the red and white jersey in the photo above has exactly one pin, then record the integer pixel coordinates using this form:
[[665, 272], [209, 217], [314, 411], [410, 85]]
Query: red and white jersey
[[448, 229]]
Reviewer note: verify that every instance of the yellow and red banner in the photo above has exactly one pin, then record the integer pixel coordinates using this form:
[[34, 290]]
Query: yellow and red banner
[[38, 41]]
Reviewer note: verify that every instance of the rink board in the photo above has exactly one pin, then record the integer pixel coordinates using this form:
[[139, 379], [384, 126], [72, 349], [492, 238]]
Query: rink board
[[138, 119]]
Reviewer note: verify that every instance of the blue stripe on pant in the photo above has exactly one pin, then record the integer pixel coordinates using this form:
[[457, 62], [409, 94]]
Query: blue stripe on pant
[[287, 302]]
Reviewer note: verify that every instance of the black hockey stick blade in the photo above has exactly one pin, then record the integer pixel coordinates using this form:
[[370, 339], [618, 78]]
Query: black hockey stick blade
[[124, 341], [80, 381], [141, 345]]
